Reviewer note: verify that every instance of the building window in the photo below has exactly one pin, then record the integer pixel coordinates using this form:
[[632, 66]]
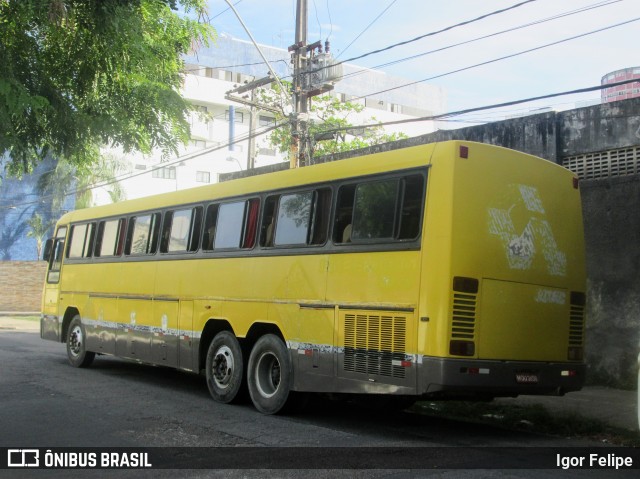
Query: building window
[[167, 173], [198, 143], [239, 116], [267, 120], [203, 177], [267, 152]]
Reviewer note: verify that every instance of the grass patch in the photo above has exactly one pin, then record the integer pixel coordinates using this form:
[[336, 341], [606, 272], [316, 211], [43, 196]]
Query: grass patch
[[531, 418]]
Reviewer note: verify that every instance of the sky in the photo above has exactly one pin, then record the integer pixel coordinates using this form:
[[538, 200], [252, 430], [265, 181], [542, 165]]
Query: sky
[[356, 27]]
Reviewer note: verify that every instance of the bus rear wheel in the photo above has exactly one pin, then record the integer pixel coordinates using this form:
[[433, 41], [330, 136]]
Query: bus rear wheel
[[269, 374], [225, 367], [77, 352]]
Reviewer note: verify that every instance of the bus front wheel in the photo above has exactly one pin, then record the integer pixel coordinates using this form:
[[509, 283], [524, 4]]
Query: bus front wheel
[[269, 374], [77, 352], [225, 367]]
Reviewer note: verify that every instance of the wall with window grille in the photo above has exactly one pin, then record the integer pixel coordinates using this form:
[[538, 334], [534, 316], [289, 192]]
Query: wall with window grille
[[605, 164]]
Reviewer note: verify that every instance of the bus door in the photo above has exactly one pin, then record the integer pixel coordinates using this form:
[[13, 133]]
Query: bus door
[[54, 252]]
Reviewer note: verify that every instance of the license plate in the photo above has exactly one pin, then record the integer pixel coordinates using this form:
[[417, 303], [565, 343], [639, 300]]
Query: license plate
[[526, 378]]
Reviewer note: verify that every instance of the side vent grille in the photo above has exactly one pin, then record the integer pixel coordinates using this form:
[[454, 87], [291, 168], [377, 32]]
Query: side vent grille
[[375, 344]]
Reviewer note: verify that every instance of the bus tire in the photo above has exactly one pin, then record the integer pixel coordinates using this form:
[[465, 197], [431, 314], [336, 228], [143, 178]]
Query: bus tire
[[77, 352], [225, 367], [269, 374]]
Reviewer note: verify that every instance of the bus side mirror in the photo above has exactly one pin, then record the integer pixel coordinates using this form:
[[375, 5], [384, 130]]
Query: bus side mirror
[[46, 255]]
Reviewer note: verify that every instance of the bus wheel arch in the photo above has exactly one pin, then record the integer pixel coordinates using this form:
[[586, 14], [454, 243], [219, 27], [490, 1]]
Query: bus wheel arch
[[210, 330], [69, 315]]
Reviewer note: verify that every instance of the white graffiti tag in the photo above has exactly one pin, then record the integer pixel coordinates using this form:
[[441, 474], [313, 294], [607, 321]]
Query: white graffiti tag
[[537, 236]]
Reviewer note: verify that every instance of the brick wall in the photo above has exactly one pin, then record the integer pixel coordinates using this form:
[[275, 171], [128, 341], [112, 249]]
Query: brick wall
[[21, 285]]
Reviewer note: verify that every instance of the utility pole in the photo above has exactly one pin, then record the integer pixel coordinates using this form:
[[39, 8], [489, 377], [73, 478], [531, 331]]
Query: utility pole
[[314, 72], [298, 121]]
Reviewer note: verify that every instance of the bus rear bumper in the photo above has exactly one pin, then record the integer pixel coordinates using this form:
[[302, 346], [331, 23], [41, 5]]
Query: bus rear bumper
[[473, 378]]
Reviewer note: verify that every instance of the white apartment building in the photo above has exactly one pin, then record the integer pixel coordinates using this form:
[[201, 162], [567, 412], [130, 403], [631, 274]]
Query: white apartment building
[[231, 62]]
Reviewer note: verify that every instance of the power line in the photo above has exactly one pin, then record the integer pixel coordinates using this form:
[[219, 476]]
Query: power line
[[224, 11], [467, 22], [443, 116], [484, 37], [367, 27], [488, 62]]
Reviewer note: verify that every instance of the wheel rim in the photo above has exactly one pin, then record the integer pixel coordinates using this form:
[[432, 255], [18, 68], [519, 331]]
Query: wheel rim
[[75, 341], [223, 367], [268, 374]]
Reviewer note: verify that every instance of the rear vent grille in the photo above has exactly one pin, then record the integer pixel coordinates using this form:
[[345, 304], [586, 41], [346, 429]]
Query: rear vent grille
[[463, 322], [375, 344], [576, 318], [576, 325]]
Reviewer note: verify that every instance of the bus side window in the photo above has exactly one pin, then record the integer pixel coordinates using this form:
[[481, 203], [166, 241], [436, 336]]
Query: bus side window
[[57, 252], [374, 211], [196, 229], [142, 234], [210, 221], [294, 213], [320, 216], [182, 230], [251, 223], [81, 241], [268, 221], [237, 224], [411, 208], [229, 227], [110, 238], [343, 223]]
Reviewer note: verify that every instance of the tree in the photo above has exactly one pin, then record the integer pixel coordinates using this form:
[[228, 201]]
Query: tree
[[78, 74], [38, 229], [64, 180], [327, 113]]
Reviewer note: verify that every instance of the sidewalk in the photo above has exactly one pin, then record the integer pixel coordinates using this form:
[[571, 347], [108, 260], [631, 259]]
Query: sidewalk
[[17, 323], [615, 407]]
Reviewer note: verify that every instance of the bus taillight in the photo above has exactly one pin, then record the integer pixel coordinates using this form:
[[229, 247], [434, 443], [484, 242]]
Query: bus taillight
[[575, 353], [462, 348]]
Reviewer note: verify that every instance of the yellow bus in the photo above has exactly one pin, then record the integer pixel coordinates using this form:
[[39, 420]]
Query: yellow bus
[[453, 269]]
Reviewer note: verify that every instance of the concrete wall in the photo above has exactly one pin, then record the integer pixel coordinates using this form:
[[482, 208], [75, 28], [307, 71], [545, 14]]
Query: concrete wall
[[21, 284], [612, 234]]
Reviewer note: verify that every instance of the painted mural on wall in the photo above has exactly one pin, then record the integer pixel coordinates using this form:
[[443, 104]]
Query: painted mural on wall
[[20, 201]]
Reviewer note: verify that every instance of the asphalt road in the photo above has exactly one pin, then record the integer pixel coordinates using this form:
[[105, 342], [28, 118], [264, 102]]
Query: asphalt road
[[44, 402]]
